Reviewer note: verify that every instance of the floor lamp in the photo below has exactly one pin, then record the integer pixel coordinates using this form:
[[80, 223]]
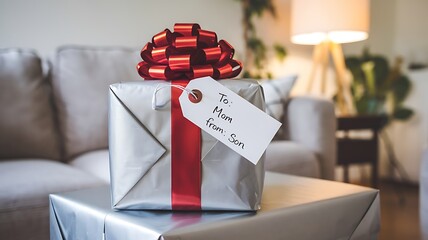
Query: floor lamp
[[327, 24]]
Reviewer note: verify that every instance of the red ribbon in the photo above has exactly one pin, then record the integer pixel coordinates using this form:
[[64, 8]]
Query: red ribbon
[[185, 157], [187, 53]]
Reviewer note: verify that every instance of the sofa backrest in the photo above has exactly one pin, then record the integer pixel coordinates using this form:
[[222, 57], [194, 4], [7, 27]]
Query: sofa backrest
[[81, 79], [27, 125]]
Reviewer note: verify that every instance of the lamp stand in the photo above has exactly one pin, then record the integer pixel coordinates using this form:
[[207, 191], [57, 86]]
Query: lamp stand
[[320, 59]]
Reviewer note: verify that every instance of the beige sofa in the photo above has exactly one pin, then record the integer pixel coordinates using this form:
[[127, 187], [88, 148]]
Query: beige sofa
[[53, 131]]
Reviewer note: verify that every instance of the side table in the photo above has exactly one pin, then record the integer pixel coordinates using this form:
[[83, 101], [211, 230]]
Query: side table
[[357, 151], [292, 208]]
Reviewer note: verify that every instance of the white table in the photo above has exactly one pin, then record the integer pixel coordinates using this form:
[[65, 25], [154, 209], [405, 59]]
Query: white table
[[292, 208]]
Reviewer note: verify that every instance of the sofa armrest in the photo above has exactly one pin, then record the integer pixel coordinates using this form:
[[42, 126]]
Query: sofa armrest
[[423, 195], [311, 122]]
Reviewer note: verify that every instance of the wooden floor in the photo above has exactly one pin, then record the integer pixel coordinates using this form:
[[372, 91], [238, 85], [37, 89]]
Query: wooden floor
[[399, 211]]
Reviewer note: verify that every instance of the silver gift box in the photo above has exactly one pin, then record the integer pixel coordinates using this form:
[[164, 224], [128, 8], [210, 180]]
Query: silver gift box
[[140, 157]]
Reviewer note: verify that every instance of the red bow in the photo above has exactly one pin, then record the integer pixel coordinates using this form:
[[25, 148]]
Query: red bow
[[187, 53]]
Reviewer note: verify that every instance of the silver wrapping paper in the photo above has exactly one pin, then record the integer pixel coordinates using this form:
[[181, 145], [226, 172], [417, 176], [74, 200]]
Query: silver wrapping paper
[[140, 159], [292, 208]]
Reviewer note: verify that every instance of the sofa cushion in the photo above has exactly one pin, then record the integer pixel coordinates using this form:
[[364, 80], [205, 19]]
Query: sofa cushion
[[81, 79], [27, 183], [277, 92], [35, 220], [95, 163], [27, 127], [24, 195], [291, 158]]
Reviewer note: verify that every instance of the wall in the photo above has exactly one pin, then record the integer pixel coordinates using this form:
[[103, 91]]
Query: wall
[[411, 31], [410, 138], [46, 24], [382, 30]]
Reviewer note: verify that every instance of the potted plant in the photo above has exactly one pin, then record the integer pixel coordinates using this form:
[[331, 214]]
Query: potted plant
[[255, 49], [380, 89]]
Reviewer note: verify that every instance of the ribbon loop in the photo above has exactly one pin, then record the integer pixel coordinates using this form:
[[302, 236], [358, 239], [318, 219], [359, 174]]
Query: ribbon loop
[[179, 62], [227, 51], [162, 39], [208, 38], [160, 54], [212, 54], [188, 52], [186, 42], [201, 71], [186, 29]]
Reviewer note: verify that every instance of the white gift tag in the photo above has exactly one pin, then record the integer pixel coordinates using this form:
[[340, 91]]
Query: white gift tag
[[229, 118]]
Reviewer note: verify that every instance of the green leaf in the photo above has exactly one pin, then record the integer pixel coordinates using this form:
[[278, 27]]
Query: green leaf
[[354, 65], [257, 7], [251, 27], [361, 105], [366, 56], [258, 49], [401, 88], [246, 74], [280, 51], [380, 70], [256, 44], [335, 98], [402, 113], [368, 69], [256, 76]]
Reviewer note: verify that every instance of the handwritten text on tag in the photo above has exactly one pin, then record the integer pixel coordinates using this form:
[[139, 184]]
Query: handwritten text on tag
[[229, 118]]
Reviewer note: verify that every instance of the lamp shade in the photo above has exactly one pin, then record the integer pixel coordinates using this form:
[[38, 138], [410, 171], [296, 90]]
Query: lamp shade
[[341, 21]]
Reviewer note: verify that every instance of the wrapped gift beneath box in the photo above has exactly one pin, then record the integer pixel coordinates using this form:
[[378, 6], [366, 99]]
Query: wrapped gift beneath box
[[292, 208]]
